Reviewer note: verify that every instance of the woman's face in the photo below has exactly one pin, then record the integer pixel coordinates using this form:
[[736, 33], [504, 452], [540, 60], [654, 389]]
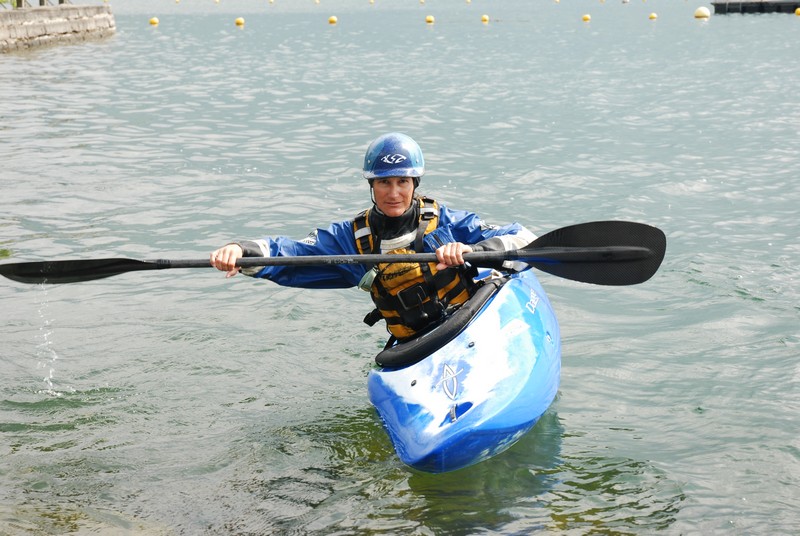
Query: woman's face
[[393, 195]]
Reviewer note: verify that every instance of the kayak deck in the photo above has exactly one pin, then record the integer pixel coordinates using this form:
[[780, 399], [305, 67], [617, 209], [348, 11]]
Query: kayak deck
[[480, 392]]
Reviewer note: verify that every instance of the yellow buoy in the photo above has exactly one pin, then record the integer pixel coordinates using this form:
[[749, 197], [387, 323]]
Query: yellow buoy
[[485, 19], [239, 21], [653, 16], [154, 21], [702, 12], [429, 19], [332, 19], [797, 11], [587, 18]]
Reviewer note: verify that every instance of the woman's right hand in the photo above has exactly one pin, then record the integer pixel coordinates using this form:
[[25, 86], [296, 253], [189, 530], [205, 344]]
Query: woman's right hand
[[225, 258]]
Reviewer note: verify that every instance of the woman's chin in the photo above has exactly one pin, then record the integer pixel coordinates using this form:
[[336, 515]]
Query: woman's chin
[[393, 212]]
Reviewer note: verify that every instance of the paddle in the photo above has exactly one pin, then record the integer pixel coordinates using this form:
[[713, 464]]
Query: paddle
[[602, 253]]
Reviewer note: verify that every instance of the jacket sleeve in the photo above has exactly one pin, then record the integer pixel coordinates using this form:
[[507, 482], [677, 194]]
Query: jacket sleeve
[[335, 240], [468, 228]]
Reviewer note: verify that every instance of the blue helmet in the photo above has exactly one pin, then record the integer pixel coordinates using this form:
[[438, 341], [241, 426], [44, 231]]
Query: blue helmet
[[393, 155]]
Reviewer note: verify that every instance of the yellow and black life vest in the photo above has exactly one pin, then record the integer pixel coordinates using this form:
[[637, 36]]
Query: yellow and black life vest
[[410, 297]]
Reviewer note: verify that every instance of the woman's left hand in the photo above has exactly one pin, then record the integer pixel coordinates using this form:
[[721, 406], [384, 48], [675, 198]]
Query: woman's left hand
[[451, 254]]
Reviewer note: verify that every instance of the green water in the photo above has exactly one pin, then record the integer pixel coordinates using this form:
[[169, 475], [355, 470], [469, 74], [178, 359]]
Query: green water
[[184, 403]]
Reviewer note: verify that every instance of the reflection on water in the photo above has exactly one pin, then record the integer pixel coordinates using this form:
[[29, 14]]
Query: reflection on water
[[536, 487], [494, 495], [613, 495], [354, 474]]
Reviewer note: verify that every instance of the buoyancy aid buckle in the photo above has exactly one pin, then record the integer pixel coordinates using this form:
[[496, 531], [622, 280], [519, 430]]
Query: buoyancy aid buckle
[[412, 296], [424, 316]]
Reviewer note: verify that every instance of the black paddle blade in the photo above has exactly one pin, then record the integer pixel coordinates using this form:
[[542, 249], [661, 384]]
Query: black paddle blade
[[71, 271], [633, 253]]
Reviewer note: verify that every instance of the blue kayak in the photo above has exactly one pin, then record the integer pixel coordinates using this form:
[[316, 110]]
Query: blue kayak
[[476, 384]]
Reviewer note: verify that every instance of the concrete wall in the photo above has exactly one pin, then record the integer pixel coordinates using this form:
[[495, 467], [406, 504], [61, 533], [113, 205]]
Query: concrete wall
[[37, 26]]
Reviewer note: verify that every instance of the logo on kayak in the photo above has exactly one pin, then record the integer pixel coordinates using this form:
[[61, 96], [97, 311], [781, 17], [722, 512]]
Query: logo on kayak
[[533, 302], [449, 381], [393, 158]]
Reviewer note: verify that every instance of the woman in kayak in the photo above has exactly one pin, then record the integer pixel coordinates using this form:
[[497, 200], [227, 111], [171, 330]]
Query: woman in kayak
[[410, 297]]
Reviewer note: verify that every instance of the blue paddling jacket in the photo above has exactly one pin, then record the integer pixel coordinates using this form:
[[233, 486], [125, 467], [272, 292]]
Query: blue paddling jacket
[[338, 239]]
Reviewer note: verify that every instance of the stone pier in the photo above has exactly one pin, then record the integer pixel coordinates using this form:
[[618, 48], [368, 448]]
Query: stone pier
[[51, 25]]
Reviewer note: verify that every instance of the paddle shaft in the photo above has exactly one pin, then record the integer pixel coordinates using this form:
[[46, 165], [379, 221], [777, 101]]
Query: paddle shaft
[[479, 258]]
